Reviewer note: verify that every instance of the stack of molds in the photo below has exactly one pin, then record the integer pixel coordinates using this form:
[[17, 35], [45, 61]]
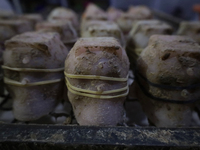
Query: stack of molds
[[139, 36], [125, 20], [64, 14], [32, 18], [92, 12], [33, 73], [66, 31], [113, 13], [98, 28], [168, 80], [96, 72]]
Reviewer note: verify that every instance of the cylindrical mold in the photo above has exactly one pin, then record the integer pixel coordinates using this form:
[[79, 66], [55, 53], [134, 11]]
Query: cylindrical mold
[[168, 79], [96, 72], [32, 18], [33, 73], [113, 13], [103, 29], [67, 32], [125, 20], [64, 14], [92, 12], [191, 29], [140, 33], [140, 11]]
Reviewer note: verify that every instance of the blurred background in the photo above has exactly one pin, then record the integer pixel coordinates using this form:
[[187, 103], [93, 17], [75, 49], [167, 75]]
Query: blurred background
[[183, 9]]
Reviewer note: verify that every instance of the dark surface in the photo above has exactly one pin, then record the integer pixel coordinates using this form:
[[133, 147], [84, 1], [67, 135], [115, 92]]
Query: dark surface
[[18, 136]]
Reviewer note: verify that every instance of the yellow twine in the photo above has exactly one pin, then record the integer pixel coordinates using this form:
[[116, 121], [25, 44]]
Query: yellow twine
[[96, 94]]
